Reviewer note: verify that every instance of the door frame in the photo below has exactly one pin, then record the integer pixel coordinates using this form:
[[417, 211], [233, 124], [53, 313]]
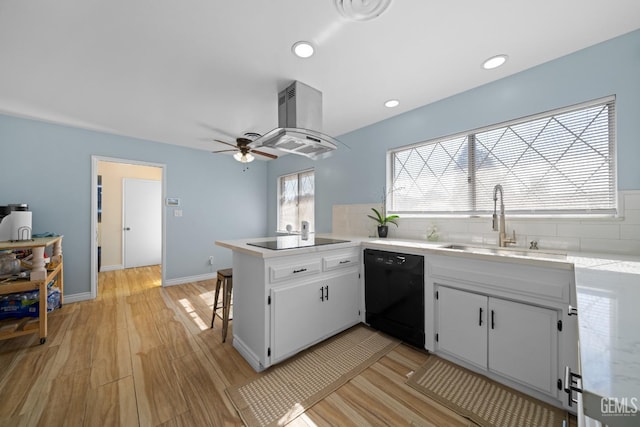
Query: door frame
[[94, 215]]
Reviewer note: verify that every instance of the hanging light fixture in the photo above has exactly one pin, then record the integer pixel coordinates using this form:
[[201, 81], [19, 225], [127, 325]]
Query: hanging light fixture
[[244, 157]]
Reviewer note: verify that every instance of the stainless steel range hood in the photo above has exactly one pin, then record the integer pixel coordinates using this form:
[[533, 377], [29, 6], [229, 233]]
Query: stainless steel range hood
[[299, 121]]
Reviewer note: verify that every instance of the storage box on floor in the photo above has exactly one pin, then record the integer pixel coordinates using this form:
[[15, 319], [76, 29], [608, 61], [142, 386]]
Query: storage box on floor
[[26, 304]]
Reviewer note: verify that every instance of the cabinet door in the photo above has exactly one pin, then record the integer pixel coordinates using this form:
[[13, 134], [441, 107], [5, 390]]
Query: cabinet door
[[304, 314], [296, 313], [341, 303], [523, 343], [461, 325]]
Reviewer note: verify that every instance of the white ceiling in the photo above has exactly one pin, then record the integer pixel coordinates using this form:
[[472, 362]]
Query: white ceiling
[[186, 72]]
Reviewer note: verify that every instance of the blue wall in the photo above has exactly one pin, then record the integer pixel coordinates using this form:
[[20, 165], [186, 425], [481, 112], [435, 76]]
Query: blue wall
[[357, 175], [49, 167]]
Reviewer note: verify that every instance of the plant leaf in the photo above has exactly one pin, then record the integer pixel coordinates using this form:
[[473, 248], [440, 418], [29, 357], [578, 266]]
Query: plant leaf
[[379, 218], [374, 218]]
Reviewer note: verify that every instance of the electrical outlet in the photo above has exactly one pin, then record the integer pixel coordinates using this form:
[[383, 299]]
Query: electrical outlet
[[211, 260]]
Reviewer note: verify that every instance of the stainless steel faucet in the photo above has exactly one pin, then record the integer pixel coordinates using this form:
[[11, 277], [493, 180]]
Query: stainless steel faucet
[[503, 240]]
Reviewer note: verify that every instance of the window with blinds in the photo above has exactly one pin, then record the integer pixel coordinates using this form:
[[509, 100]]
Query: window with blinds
[[557, 163], [296, 195]]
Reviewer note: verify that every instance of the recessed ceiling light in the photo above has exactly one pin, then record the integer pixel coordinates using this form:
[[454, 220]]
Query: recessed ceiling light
[[392, 103], [494, 62], [302, 49]]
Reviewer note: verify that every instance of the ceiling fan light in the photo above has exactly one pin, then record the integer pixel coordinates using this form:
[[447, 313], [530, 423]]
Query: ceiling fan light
[[244, 158]]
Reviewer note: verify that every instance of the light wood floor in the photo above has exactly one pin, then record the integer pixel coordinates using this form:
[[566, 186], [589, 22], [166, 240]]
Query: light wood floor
[[141, 355]]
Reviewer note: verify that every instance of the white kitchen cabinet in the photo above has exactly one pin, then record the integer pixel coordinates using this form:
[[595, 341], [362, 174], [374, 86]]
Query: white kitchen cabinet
[[462, 327], [294, 270], [279, 308], [514, 340], [523, 343], [308, 312], [533, 335]]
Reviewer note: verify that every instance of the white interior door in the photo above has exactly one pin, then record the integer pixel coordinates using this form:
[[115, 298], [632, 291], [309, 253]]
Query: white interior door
[[142, 222]]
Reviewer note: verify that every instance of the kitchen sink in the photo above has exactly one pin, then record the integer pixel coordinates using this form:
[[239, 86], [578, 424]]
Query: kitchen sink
[[506, 251]]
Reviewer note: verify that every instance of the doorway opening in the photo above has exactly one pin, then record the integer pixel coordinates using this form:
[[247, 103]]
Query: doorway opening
[[127, 217]]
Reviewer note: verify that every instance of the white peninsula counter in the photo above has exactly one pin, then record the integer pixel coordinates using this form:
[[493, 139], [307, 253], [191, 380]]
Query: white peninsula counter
[[286, 300]]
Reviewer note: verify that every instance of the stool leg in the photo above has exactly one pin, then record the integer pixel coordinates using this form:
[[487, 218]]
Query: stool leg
[[227, 289], [215, 300]]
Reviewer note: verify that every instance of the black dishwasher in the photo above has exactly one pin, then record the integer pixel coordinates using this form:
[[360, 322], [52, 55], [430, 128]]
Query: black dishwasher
[[394, 294]]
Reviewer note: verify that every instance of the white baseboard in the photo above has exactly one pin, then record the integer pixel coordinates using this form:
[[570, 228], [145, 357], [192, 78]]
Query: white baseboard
[[82, 296], [189, 279], [111, 267], [248, 355]]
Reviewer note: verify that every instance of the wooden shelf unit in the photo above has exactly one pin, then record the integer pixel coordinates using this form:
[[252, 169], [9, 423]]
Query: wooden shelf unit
[[40, 277]]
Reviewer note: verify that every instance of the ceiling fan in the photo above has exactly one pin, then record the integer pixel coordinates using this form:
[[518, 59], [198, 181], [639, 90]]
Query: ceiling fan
[[243, 154]]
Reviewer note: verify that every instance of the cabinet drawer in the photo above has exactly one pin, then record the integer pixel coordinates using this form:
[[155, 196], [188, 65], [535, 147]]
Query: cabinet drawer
[[287, 271], [342, 260]]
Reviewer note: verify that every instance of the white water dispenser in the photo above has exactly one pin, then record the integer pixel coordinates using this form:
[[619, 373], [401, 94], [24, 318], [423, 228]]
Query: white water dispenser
[[15, 222]]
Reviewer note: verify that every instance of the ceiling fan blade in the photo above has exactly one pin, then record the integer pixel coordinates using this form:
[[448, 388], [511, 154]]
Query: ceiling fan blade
[[226, 143], [216, 130], [224, 151], [262, 153]]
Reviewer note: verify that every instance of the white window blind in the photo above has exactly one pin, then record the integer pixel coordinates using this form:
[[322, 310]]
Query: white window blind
[[296, 195], [562, 162]]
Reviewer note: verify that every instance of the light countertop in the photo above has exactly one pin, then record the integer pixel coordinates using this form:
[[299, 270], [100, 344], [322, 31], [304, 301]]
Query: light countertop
[[243, 246], [541, 258], [608, 292]]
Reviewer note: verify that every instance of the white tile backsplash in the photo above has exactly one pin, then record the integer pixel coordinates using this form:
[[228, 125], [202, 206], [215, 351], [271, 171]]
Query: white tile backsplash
[[601, 231], [535, 228], [630, 232], [632, 216], [610, 246], [606, 235], [631, 199]]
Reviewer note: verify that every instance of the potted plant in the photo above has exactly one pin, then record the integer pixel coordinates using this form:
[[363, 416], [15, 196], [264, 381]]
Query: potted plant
[[382, 219]]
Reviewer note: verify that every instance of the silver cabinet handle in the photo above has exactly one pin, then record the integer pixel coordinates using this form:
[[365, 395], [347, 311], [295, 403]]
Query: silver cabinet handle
[[572, 382]]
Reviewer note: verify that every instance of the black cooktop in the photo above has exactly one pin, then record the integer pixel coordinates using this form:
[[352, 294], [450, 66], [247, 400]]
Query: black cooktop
[[292, 242]]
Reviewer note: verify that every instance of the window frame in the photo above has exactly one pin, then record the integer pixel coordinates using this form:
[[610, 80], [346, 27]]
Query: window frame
[[612, 211], [295, 227]]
